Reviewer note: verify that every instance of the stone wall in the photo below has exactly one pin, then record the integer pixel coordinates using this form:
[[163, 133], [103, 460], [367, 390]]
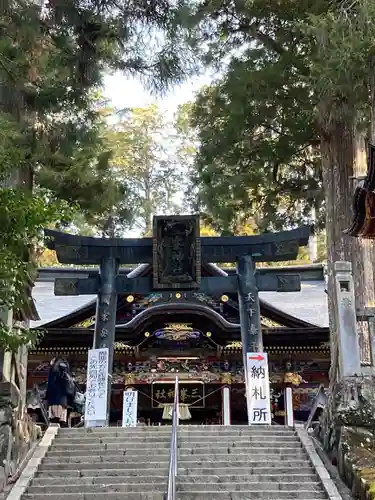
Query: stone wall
[[351, 403], [18, 433], [347, 433]]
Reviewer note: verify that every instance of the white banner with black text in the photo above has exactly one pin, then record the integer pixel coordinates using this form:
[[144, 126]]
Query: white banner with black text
[[97, 388], [258, 388]]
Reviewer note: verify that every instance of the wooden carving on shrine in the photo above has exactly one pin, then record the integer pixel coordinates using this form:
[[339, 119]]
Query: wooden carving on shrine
[[176, 252], [363, 223], [178, 332]]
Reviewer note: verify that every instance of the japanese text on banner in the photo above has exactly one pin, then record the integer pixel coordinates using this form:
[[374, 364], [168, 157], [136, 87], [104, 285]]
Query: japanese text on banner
[[259, 388], [130, 409], [97, 385]]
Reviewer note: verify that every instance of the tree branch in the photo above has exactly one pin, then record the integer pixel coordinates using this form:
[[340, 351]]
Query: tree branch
[[265, 39]]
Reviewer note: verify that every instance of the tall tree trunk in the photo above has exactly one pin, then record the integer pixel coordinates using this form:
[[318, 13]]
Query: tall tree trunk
[[336, 133], [148, 208], [344, 158], [313, 242], [363, 263]]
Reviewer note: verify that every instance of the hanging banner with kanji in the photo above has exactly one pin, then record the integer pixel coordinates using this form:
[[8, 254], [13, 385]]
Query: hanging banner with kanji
[[130, 409], [97, 388], [258, 388]]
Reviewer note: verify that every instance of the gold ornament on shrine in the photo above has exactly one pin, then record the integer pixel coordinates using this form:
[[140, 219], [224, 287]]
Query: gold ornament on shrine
[[129, 379], [293, 378], [226, 378]]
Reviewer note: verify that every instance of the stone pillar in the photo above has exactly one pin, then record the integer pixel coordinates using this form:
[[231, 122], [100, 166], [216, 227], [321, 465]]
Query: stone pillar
[[105, 321], [248, 300], [348, 341], [371, 325], [225, 402]]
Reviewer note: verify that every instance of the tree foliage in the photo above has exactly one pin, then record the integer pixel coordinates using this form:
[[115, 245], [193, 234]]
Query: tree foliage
[[259, 146], [145, 163], [286, 70], [53, 154]]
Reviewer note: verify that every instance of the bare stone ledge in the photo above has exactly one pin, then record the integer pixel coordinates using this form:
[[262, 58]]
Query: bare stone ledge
[[32, 466], [318, 465]]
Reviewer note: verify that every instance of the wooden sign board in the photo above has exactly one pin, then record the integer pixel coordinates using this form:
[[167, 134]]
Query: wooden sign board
[[176, 252], [189, 393]]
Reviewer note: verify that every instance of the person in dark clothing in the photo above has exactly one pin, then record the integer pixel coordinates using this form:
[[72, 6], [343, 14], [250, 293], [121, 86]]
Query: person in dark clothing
[[60, 391]]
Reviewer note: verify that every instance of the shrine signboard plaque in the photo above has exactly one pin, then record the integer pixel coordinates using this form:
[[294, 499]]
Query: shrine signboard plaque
[[189, 393], [176, 252]]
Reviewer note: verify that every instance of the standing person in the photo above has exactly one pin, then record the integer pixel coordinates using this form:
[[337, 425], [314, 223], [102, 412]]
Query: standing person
[[60, 391]]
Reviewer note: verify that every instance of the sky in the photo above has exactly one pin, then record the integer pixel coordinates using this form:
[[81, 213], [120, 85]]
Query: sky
[[127, 92]]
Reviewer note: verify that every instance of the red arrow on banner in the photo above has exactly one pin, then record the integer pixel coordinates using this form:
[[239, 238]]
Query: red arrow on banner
[[259, 357]]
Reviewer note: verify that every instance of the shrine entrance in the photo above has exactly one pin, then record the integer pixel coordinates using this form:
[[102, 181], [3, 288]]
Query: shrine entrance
[[177, 254]]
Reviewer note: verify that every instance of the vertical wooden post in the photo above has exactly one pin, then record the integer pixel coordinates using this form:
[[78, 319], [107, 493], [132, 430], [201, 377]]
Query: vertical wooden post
[[105, 321]]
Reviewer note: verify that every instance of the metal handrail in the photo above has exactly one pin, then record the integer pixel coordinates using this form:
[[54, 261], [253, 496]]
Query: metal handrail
[[171, 492]]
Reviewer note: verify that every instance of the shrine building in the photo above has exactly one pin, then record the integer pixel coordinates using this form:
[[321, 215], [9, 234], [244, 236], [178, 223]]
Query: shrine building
[[194, 334]]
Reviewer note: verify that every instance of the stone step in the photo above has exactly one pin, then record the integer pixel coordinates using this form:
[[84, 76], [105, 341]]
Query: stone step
[[145, 428], [197, 463], [161, 479], [186, 450], [193, 455], [140, 487], [118, 432], [102, 480], [200, 432], [143, 487], [215, 463], [260, 442], [147, 450], [246, 486], [263, 441], [104, 465], [247, 470], [72, 475], [97, 496], [236, 477], [243, 495], [196, 495], [183, 472], [243, 460]]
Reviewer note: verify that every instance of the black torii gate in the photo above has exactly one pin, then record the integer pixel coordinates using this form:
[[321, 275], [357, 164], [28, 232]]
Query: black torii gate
[[176, 252]]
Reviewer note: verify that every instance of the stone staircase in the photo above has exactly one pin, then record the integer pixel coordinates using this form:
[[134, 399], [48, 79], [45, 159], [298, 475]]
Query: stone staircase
[[218, 463]]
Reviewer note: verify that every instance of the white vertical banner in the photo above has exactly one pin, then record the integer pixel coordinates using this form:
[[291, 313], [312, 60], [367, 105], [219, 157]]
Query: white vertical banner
[[258, 388], [226, 405], [130, 409], [288, 405], [97, 388]]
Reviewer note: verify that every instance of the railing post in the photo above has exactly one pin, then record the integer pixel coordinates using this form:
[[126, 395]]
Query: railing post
[[177, 401], [173, 460]]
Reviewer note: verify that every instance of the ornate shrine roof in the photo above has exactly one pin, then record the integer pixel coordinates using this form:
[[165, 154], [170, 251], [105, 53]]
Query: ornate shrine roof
[[308, 306]]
